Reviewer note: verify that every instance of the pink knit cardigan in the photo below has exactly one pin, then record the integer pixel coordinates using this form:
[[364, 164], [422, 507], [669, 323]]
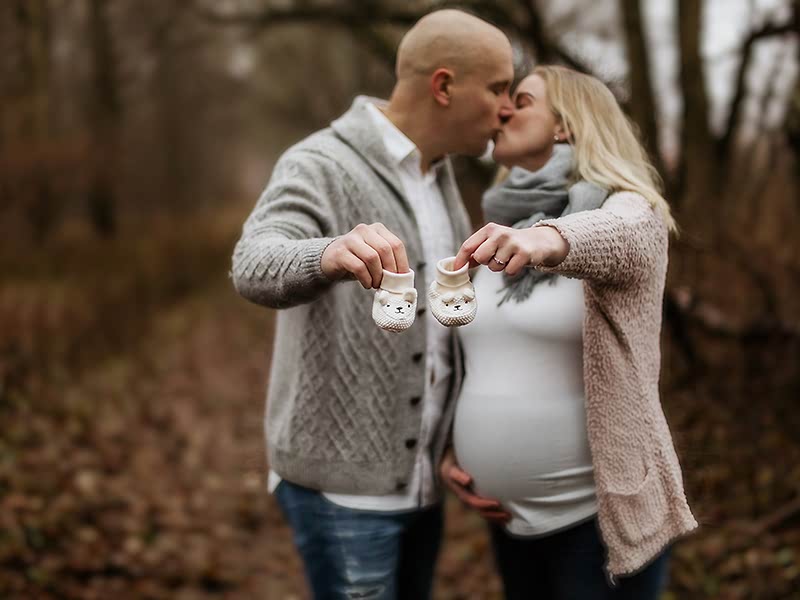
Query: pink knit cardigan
[[620, 253]]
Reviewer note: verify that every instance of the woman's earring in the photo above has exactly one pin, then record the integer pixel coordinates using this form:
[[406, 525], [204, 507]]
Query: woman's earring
[[555, 137]]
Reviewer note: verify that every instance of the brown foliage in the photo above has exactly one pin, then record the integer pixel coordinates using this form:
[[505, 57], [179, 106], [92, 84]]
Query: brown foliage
[[132, 463]]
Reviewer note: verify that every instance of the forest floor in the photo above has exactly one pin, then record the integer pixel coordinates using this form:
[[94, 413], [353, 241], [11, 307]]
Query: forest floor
[[132, 460]]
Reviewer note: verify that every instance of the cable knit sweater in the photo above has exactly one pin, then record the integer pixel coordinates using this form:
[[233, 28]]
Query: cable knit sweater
[[620, 253], [344, 395]]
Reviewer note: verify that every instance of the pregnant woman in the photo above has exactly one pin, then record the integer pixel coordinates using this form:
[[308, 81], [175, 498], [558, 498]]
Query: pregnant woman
[[559, 437]]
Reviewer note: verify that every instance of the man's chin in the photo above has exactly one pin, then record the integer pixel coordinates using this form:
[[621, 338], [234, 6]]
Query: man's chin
[[479, 149]]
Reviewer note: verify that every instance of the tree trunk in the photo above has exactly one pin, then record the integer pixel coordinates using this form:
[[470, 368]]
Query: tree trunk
[[642, 106], [41, 207], [793, 112], [173, 171], [104, 122], [697, 172]]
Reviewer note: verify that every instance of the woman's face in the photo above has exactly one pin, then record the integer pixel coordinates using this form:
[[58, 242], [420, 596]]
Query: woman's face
[[528, 136]]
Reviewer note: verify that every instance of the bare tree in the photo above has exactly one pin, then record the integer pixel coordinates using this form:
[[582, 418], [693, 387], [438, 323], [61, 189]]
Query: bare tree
[[106, 107], [642, 105], [696, 175], [33, 18]]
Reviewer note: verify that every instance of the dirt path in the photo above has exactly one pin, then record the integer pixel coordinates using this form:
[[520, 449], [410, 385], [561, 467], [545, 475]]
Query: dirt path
[[145, 478]]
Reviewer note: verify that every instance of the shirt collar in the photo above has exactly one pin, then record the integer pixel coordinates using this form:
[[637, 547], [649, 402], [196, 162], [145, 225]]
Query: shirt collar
[[398, 145]]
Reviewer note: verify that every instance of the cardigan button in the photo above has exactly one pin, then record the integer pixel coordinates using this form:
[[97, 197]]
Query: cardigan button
[[401, 485], [420, 312], [415, 400], [410, 443], [417, 356], [421, 265]]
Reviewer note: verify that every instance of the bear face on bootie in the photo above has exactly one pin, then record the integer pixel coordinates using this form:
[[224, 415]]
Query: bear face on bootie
[[394, 312], [395, 305], [453, 309], [451, 297]]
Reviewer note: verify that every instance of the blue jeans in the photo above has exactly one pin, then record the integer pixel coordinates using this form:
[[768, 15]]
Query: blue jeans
[[568, 565], [351, 554]]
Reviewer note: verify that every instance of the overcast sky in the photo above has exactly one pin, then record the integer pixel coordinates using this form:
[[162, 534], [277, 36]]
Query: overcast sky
[[726, 24]]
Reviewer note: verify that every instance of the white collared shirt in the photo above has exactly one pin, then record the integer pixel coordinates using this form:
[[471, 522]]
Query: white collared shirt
[[436, 232]]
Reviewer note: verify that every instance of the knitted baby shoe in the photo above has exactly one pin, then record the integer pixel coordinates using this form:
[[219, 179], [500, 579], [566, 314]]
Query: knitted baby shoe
[[451, 296], [395, 304]]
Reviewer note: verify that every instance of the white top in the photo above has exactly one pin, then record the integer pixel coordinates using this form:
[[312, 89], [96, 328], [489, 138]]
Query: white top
[[436, 233], [520, 424]]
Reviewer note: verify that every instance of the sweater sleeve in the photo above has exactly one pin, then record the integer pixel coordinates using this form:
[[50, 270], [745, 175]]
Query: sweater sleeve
[[277, 260], [617, 244]]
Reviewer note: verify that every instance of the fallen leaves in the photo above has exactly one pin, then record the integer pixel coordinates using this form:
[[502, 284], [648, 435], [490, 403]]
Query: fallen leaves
[[139, 470]]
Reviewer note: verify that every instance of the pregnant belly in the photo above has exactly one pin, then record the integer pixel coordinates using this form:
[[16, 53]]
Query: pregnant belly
[[518, 448]]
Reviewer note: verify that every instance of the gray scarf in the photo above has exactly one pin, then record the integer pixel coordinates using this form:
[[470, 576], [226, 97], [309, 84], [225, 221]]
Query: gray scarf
[[526, 197]]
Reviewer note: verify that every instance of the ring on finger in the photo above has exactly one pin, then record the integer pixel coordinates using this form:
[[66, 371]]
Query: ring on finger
[[502, 263]]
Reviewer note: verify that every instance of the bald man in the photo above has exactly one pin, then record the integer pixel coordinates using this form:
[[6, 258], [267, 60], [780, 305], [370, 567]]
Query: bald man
[[357, 417]]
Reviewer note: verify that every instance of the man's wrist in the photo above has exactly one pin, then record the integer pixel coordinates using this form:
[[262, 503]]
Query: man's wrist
[[327, 262]]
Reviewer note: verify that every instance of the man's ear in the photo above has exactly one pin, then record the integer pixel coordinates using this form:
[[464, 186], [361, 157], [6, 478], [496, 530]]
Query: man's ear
[[441, 83]]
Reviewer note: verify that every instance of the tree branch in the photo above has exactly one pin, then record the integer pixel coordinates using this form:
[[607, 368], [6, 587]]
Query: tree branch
[[712, 321], [535, 33], [740, 91], [371, 14], [760, 526], [383, 48], [546, 49], [361, 15]]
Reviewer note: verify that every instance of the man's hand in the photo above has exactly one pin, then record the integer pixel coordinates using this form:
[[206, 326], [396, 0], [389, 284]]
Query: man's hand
[[460, 483], [364, 252], [507, 249]]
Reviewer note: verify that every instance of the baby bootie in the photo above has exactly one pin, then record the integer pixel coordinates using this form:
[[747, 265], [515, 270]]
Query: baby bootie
[[451, 297], [395, 304]]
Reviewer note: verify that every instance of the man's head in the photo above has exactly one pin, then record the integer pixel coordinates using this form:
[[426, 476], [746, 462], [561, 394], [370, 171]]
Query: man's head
[[454, 71]]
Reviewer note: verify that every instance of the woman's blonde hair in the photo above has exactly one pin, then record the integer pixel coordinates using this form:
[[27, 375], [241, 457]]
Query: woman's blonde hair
[[607, 150]]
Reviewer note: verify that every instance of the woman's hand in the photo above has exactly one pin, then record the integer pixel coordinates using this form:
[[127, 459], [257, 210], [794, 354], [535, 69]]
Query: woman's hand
[[460, 483], [507, 249]]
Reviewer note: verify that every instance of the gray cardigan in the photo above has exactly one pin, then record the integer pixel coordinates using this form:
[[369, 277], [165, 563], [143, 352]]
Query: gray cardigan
[[344, 395]]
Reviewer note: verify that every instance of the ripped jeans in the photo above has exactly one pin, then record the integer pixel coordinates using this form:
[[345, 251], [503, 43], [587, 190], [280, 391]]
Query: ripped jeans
[[362, 555]]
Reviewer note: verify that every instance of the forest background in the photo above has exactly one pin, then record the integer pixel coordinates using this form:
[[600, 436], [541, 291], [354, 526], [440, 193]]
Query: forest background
[[135, 136]]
